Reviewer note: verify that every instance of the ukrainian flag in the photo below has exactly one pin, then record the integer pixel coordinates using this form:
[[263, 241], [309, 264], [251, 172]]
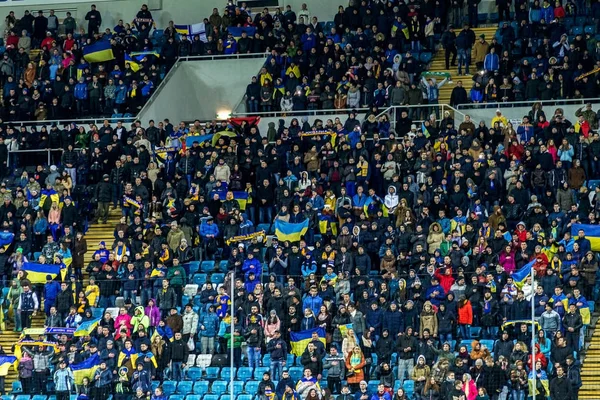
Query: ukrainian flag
[[85, 369], [242, 199], [139, 55], [237, 31], [133, 64], [183, 29], [592, 233], [299, 340], [36, 272], [54, 198], [220, 134], [100, 51], [6, 239], [327, 221], [5, 363], [190, 139], [87, 327], [290, 232], [520, 276], [543, 380], [141, 356], [424, 130]]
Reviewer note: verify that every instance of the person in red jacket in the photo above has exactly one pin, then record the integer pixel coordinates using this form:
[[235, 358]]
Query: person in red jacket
[[446, 279], [465, 317]]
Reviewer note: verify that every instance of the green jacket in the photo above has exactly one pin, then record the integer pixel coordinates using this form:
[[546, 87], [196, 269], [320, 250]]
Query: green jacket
[[177, 279]]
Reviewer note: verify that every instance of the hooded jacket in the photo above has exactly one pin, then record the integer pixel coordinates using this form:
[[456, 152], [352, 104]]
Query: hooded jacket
[[428, 320], [139, 318]]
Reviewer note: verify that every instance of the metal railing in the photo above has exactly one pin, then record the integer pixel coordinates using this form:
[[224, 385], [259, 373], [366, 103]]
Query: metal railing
[[15, 153], [301, 113], [528, 103], [66, 121]]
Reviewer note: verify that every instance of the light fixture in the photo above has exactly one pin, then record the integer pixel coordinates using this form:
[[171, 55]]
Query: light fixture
[[223, 114]]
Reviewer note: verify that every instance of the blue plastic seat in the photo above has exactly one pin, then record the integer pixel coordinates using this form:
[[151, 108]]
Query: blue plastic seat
[[488, 343], [577, 30], [245, 397], [155, 384], [207, 266], [467, 344], [39, 397], [372, 386], [194, 397], [184, 387], [295, 373], [22, 397], [223, 265], [217, 278], [266, 361], [409, 387], [6, 397], [251, 387], [195, 374], [218, 387], [225, 396], [16, 387], [227, 373], [259, 371], [176, 397], [212, 373], [200, 388], [245, 373], [168, 387], [199, 279], [193, 266], [211, 397], [290, 359], [238, 387], [590, 29]]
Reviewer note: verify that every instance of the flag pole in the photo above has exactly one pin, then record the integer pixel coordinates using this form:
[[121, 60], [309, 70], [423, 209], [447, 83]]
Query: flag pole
[[534, 386], [232, 340]]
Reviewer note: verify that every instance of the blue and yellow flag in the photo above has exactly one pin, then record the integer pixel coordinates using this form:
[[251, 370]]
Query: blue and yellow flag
[[221, 134], [425, 130], [85, 369], [141, 356], [5, 363], [140, 55], [54, 197], [299, 340], [100, 51], [592, 233], [87, 327], [237, 31], [36, 272], [190, 139], [520, 276], [290, 232], [6, 238], [242, 198], [133, 64], [327, 221]]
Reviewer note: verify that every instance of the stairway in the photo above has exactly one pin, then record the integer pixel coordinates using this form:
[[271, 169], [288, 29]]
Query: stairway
[[438, 64], [591, 369], [96, 234]]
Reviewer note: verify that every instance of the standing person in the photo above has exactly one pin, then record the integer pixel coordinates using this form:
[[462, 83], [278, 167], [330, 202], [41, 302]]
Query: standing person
[[63, 381], [560, 386], [449, 43], [104, 195], [179, 353], [28, 304], [277, 348], [572, 323], [334, 364], [94, 21]]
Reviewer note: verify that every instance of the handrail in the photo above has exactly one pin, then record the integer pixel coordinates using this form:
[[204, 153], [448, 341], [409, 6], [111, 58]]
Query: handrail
[[81, 121], [224, 56], [514, 104], [301, 113]]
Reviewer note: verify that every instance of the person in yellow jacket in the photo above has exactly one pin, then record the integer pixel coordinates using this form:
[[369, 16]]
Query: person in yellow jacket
[[92, 292], [500, 118]]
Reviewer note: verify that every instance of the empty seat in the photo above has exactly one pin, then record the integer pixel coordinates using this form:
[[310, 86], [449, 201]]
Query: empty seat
[[409, 387], [217, 278], [223, 265], [190, 290], [296, 373], [39, 397], [176, 397], [191, 359], [218, 387], [227, 373], [168, 387], [199, 279], [251, 387], [195, 374], [238, 387], [22, 397], [193, 397], [193, 266], [200, 388], [184, 387], [259, 371], [211, 397], [244, 397], [245, 373], [16, 387], [212, 373], [207, 266], [204, 360]]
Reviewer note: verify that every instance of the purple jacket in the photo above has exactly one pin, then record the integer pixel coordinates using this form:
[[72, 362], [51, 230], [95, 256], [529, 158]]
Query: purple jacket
[[153, 313]]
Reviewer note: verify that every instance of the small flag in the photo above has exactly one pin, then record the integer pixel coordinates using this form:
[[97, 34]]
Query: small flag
[[100, 51], [6, 238], [85, 369], [87, 327], [237, 31], [520, 276], [5, 363]]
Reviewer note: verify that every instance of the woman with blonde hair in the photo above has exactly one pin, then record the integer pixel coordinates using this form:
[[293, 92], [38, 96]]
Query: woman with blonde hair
[[54, 220], [355, 362], [469, 387], [349, 342]]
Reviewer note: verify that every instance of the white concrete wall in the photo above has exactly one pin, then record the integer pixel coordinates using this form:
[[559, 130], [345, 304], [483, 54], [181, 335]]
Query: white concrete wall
[[200, 89]]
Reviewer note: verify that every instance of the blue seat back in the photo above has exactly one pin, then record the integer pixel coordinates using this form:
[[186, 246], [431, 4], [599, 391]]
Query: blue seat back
[[200, 388], [207, 266]]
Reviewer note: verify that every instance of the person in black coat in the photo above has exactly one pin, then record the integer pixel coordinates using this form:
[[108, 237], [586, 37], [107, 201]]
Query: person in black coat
[[560, 387], [459, 95]]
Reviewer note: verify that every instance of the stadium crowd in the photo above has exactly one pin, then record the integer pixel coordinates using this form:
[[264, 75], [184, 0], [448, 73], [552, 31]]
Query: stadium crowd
[[410, 258]]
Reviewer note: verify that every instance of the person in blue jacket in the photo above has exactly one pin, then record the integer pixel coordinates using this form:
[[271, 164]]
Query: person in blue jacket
[[251, 264], [81, 95], [491, 61], [51, 290], [313, 301], [208, 329]]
